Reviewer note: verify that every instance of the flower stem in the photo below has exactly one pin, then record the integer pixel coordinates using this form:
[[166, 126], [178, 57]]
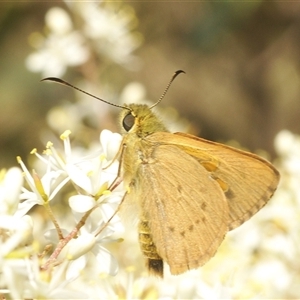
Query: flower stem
[[52, 217], [64, 241]]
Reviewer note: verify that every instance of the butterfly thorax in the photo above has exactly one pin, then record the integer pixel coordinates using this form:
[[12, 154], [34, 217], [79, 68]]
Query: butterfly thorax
[[138, 151], [139, 122]]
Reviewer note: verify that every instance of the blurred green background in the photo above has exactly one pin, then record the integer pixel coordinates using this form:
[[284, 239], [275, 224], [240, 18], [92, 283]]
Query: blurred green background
[[242, 63]]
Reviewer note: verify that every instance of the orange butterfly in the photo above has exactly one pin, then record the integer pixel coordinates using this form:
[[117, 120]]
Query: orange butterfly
[[189, 191]]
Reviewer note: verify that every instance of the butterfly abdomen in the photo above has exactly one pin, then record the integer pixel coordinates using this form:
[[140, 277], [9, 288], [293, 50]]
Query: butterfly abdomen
[[154, 262]]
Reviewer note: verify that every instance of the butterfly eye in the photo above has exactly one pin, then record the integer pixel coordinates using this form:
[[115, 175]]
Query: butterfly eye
[[128, 122]]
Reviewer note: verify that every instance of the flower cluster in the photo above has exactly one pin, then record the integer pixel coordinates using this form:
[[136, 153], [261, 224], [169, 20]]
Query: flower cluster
[[28, 271], [99, 30], [68, 256]]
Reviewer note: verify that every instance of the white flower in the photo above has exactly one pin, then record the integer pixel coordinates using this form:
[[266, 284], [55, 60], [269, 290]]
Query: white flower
[[63, 47], [93, 235], [14, 231], [58, 21], [101, 227], [10, 188], [86, 172], [79, 252], [12, 277], [42, 190], [26, 275], [54, 286], [89, 175], [110, 143], [111, 31], [20, 232]]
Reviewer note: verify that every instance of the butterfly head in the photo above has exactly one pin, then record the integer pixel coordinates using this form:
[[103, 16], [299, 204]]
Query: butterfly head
[[140, 120]]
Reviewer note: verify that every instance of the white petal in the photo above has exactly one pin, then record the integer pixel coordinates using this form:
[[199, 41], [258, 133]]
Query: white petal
[[75, 268], [104, 137], [35, 61], [49, 179], [58, 20], [80, 246], [10, 189], [25, 206], [58, 275], [79, 177], [22, 232], [134, 91], [107, 263], [284, 141], [10, 193], [110, 143], [81, 203]]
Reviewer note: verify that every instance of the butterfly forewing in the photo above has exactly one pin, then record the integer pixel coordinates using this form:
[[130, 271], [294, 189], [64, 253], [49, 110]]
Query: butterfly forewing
[[186, 209], [247, 180]]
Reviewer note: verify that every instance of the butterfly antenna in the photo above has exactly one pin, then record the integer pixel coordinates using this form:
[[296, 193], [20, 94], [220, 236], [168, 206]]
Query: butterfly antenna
[[167, 87], [60, 81]]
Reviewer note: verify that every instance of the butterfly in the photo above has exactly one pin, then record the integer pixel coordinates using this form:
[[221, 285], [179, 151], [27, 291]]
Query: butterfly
[[189, 192]]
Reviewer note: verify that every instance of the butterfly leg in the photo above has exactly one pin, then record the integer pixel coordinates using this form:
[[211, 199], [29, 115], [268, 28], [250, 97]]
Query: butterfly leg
[[118, 178]]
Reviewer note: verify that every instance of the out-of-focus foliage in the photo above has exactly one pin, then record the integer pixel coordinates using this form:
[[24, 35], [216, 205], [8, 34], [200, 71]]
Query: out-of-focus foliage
[[241, 60]]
